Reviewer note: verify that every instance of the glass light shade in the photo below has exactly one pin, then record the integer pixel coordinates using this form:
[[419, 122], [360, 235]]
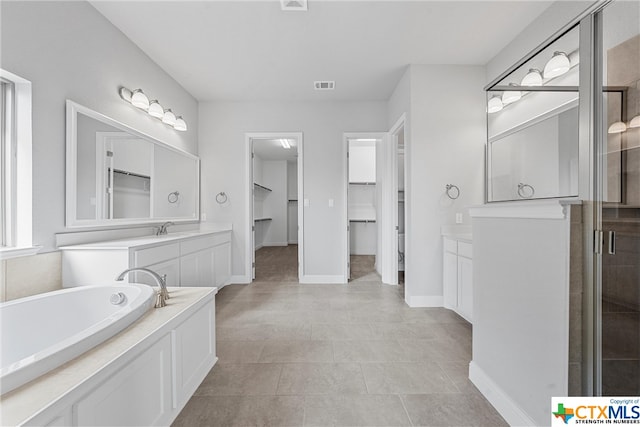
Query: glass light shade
[[533, 78], [617, 127], [169, 118], [155, 109], [511, 96], [180, 124], [495, 104], [139, 99], [635, 122], [557, 65]]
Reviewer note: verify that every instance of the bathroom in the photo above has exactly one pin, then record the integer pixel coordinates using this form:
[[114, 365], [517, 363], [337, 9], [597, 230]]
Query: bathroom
[[86, 51]]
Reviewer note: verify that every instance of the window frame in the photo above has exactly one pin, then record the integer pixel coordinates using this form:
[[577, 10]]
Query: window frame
[[16, 157]]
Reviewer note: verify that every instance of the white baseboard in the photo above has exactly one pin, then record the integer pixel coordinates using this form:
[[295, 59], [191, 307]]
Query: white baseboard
[[275, 244], [240, 280], [293, 242], [258, 247], [425, 301], [322, 279], [506, 407]]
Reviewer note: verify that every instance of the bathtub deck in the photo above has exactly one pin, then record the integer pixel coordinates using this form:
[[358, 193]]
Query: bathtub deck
[[22, 403]]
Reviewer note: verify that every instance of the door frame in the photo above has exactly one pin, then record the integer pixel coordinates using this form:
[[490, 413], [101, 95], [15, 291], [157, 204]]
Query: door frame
[[390, 232], [382, 136], [250, 224]]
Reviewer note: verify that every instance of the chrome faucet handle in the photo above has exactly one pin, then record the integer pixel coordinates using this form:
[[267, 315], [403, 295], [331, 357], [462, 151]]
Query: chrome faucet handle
[[164, 291], [160, 302]]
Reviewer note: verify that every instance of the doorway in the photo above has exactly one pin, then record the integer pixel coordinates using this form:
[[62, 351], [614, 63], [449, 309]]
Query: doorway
[[275, 247], [362, 196]]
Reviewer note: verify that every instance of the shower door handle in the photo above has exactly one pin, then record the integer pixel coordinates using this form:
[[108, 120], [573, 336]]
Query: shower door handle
[[612, 242]]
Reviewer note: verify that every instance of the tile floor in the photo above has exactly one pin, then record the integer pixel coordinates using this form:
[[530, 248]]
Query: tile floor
[[336, 355]]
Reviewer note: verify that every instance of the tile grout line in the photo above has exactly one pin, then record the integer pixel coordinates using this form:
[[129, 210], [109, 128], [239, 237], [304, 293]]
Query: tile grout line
[[405, 409]]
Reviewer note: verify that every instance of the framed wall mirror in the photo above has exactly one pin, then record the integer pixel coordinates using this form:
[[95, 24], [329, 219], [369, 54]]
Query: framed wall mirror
[[532, 126], [118, 176]]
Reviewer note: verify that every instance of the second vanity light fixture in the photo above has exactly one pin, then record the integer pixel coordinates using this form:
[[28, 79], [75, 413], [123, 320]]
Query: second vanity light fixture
[[138, 99]]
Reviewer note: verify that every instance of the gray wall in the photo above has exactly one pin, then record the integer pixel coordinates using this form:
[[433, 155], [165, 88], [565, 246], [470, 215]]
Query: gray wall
[[222, 129], [69, 51]]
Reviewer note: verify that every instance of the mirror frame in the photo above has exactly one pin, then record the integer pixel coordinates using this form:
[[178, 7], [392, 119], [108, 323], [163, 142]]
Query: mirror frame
[[71, 170]]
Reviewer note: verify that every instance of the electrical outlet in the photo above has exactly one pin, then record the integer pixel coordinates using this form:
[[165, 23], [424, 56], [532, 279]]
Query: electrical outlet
[[458, 218], [331, 203]]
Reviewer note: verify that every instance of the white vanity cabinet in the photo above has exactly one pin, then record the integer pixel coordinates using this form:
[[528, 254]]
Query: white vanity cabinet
[[194, 259], [458, 277]]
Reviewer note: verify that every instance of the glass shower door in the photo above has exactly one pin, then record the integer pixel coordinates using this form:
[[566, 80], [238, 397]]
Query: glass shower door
[[619, 201]]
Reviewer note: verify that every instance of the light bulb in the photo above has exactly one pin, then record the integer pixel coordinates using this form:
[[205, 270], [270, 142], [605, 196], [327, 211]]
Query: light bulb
[[511, 96], [617, 127], [155, 109], [557, 65], [533, 78], [180, 124], [139, 99], [495, 104], [635, 122], [169, 118]]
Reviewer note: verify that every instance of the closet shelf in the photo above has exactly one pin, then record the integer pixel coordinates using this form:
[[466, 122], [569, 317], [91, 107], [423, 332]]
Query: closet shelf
[[293, 200], [262, 219], [362, 183], [262, 187]]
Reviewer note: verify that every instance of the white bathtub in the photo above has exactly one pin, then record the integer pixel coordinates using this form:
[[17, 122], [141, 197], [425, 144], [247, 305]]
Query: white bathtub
[[42, 332]]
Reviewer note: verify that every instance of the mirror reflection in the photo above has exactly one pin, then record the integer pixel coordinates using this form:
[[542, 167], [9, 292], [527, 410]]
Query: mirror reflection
[[122, 176], [532, 118]]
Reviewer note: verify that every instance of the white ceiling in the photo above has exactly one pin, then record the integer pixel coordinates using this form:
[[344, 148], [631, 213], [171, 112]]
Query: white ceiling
[[271, 149], [252, 50]]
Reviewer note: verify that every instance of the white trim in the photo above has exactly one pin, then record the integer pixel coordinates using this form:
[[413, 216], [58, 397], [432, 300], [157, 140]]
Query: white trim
[[533, 209], [249, 243], [322, 279], [13, 252], [239, 279], [276, 244], [425, 301], [500, 400]]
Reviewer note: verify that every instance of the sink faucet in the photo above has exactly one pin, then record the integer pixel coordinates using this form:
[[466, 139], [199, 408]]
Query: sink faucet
[[163, 293], [162, 230]]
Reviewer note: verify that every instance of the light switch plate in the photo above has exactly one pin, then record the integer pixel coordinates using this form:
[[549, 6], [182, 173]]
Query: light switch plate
[[331, 203], [458, 218], [306, 203]]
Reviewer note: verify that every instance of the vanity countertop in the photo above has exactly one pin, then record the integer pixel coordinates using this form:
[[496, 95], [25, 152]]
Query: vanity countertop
[[146, 240], [461, 233], [24, 402]]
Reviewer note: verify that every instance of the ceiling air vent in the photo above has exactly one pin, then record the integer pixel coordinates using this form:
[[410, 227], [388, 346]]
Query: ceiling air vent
[[297, 5], [324, 85]]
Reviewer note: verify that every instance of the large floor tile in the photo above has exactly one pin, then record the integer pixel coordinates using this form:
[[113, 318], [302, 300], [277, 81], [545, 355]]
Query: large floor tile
[[370, 351], [355, 410], [406, 378], [339, 332], [321, 378], [241, 379], [242, 411], [447, 410], [239, 351], [297, 351], [260, 332]]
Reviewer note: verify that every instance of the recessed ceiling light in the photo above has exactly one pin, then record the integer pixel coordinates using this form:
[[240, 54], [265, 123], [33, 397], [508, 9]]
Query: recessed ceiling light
[[324, 85], [295, 5]]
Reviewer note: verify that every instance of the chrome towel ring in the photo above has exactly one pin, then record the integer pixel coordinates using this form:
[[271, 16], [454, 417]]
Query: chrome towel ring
[[525, 191], [221, 198], [453, 192], [173, 197]]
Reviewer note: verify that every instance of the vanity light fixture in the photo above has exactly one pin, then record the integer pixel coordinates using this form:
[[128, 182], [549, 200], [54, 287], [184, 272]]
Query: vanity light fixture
[[138, 99], [635, 121], [533, 78], [511, 96], [155, 109], [180, 124], [557, 65], [617, 127], [168, 117], [285, 143], [495, 104]]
